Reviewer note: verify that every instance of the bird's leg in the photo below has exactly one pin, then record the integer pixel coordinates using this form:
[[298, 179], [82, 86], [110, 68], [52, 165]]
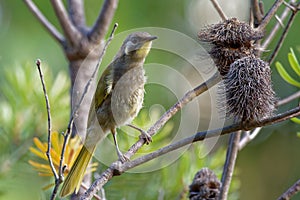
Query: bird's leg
[[122, 158], [144, 134]]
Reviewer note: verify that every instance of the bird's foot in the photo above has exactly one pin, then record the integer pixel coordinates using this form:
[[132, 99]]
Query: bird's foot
[[144, 135]]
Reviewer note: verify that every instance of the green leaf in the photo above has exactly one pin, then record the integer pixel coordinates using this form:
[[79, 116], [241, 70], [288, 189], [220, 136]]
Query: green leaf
[[285, 75], [298, 134], [296, 120], [294, 62]]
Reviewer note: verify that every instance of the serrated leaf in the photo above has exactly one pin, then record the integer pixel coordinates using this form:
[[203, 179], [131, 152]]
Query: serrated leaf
[[294, 62], [296, 120], [285, 75]]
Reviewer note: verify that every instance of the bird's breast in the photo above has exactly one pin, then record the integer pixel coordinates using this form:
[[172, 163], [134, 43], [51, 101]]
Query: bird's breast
[[127, 96]]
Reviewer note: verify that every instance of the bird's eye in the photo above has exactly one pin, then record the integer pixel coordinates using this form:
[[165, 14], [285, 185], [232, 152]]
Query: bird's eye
[[134, 40]]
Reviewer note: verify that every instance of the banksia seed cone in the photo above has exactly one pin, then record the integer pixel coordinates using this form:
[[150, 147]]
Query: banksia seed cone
[[230, 32], [230, 40], [205, 186], [249, 93]]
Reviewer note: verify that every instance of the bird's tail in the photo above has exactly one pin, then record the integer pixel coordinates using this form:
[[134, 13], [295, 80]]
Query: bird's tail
[[74, 178]]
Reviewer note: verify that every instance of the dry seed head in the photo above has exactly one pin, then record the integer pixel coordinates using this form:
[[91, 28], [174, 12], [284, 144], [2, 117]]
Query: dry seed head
[[230, 32], [230, 40], [205, 186], [224, 56], [249, 93]]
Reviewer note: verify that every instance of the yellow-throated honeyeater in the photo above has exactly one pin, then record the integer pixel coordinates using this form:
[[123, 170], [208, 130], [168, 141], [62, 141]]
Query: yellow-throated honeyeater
[[116, 102]]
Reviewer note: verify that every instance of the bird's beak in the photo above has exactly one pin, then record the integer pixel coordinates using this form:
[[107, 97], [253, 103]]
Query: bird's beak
[[151, 38]]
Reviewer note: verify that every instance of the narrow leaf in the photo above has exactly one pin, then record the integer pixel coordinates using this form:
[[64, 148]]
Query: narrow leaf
[[296, 120], [285, 75], [294, 62]]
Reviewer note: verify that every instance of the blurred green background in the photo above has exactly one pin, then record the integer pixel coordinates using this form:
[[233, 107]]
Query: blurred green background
[[265, 168]]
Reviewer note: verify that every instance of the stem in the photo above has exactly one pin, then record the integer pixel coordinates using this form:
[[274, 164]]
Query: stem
[[232, 151], [48, 152]]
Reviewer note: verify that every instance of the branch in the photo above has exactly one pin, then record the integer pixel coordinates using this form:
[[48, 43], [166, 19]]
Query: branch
[[283, 35], [43, 20], [219, 10], [290, 192], [70, 31], [231, 155], [273, 32], [257, 9], [48, 152], [104, 19], [76, 13], [270, 14]]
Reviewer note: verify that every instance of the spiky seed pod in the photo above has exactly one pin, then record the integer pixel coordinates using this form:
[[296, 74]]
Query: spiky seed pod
[[223, 56], [230, 40], [230, 32], [249, 93], [205, 186]]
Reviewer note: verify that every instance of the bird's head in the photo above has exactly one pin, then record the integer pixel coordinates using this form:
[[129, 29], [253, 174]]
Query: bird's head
[[138, 44]]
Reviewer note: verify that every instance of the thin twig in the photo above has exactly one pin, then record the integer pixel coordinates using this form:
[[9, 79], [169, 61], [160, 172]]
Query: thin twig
[[71, 33], [118, 168], [294, 189], [269, 38], [249, 137], [87, 86], [48, 152], [288, 99], [257, 12], [282, 37], [43, 20], [103, 21], [219, 9], [231, 155], [265, 21]]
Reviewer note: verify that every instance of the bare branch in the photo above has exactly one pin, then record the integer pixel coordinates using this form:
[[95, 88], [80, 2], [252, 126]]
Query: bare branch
[[219, 9], [232, 151], [43, 20], [257, 11], [282, 37], [288, 99], [48, 153], [269, 38], [71, 33], [76, 13], [248, 137], [290, 192], [104, 19], [270, 14]]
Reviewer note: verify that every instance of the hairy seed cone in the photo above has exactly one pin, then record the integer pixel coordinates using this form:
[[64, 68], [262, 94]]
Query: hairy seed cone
[[249, 93], [230, 32], [205, 186]]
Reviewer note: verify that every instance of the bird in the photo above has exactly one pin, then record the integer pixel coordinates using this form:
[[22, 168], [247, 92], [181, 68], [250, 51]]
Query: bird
[[116, 102]]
